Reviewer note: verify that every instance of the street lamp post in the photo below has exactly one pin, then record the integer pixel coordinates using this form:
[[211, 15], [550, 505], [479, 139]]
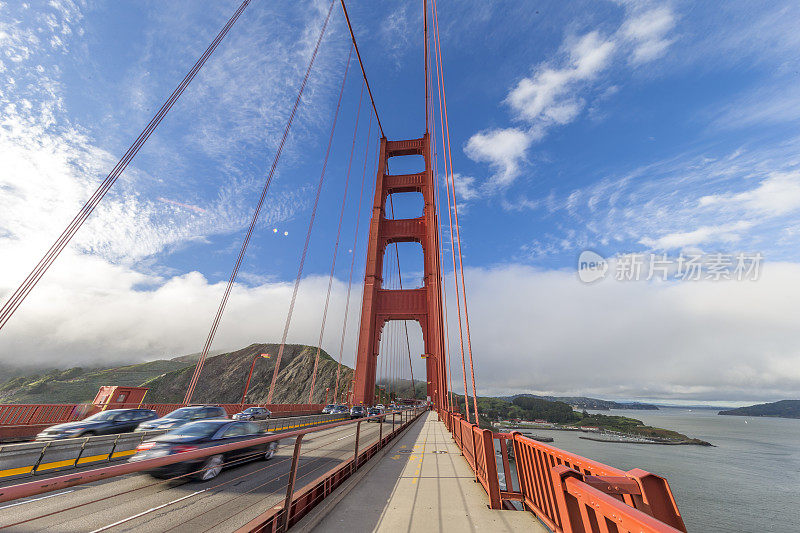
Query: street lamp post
[[250, 375]]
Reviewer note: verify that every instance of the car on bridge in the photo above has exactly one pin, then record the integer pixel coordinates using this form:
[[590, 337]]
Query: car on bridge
[[328, 409], [374, 411], [103, 423], [341, 410], [205, 434], [253, 413], [358, 411], [184, 415]]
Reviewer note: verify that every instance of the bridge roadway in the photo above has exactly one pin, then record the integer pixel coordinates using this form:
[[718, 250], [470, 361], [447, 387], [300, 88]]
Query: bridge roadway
[[422, 484], [138, 502]]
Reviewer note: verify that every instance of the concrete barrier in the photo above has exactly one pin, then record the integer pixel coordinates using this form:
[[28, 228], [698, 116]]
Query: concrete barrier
[[126, 444], [19, 460], [59, 455], [96, 449]]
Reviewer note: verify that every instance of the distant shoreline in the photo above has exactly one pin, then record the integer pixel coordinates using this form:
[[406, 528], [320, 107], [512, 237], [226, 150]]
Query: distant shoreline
[[690, 442]]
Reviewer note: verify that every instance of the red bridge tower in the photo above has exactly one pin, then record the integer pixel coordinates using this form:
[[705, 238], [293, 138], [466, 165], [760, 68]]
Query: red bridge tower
[[383, 305]]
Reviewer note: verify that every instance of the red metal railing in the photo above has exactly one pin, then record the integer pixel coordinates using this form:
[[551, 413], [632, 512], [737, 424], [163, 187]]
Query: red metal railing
[[567, 492], [25, 420]]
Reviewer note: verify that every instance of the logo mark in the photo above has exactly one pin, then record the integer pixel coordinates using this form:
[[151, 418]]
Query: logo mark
[[591, 266]]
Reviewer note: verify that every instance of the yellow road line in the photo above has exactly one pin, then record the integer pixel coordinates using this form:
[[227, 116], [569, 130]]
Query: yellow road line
[[55, 464], [16, 471], [122, 454], [92, 458]]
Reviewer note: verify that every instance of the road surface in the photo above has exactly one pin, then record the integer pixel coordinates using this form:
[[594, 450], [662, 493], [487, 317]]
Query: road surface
[[138, 502]]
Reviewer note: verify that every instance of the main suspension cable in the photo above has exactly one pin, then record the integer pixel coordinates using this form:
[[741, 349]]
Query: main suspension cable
[[232, 279], [449, 212], [16, 299], [361, 64], [455, 214], [308, 238]]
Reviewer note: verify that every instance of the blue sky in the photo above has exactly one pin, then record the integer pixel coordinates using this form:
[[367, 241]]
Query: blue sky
[[620, 127]]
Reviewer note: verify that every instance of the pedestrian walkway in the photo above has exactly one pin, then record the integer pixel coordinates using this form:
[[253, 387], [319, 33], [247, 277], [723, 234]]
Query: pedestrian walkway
[[422, 484]]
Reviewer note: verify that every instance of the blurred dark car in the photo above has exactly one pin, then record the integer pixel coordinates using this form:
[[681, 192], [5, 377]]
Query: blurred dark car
[[253, 413], [374, 411], [184, 415], [341, 410], [328, 409], [102, 423], [205, 434], [358, 411]]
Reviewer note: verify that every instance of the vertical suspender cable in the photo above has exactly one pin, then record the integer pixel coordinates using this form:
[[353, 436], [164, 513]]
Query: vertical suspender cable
[[336, 246], [308, 239], [352, 260], [16, 299], [405, 323], [455, 214], [450, 218], [232, 279]]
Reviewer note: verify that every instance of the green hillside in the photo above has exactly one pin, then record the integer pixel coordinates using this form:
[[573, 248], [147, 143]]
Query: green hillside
[[77, 385]]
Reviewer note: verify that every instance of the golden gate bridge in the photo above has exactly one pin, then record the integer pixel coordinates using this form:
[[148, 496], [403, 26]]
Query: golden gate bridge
[[563, 491]]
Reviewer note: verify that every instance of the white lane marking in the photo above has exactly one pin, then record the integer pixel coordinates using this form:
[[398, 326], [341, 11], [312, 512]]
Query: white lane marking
[[350, 435], [37, 499], [104, 528]]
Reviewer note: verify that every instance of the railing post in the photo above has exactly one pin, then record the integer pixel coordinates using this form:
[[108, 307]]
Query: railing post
[[490, 461], [657, 499], [287, 505], [355, 452], [380, 432], [569, 513]]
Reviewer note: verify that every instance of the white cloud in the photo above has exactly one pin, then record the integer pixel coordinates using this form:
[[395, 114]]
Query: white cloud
[[702, 341], [647, 33], [465, 187], [726, 233], [779, 194], [502, 149], [554, 94], [548, 95], [89, 312]]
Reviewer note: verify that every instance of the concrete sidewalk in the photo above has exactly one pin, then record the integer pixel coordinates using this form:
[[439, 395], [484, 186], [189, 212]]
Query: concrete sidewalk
[[417, 488]]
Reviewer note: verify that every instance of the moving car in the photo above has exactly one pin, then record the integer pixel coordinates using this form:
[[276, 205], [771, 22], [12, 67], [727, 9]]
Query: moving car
[[253, 413], [328, 409], [341, 410], [184, 415], [373, 411], [103, 423], [205, 434], [358, 411]]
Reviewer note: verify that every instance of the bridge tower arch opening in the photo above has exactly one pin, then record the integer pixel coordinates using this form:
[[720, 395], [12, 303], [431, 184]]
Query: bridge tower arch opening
[[421, 304]]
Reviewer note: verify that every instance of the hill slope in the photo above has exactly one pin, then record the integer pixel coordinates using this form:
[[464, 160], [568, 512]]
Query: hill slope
[[223, 377], [583, 402], [77, 385], [781, 409]]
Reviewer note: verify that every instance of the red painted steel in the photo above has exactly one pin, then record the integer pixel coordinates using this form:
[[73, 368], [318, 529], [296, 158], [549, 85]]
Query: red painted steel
[[26, 420], [380, 305], [567, 492]]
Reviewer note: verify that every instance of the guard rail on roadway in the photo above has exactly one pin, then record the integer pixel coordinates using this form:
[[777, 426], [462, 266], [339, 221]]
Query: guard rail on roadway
[[26, 420], [32, 458]]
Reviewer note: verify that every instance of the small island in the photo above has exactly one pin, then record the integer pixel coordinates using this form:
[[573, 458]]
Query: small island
[[780, 409]]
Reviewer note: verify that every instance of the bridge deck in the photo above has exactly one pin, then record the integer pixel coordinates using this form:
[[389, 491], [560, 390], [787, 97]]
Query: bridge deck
[[415, 489]]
